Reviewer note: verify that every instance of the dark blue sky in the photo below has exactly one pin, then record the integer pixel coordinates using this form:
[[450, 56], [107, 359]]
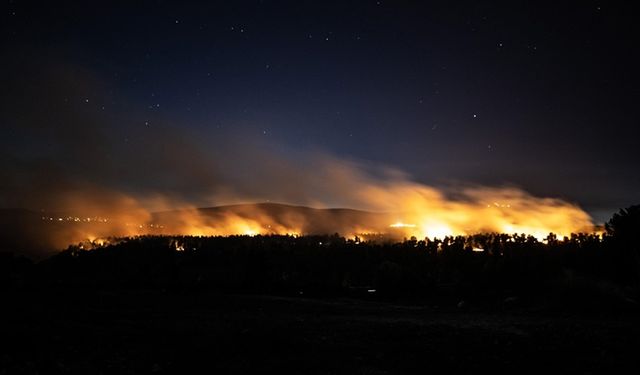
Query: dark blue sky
[[541, 96]]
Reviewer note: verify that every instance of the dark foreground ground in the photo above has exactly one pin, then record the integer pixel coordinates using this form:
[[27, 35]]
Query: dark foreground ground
[[171, 332]]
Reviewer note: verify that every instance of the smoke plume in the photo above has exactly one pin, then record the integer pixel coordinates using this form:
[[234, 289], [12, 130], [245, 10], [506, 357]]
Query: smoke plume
[[86, 172]]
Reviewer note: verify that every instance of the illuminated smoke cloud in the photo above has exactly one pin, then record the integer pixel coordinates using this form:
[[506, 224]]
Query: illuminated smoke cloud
[[153, 182]]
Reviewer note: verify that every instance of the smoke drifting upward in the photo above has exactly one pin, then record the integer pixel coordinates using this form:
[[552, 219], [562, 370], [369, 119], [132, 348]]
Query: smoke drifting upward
[[396, 206], [92, 173]]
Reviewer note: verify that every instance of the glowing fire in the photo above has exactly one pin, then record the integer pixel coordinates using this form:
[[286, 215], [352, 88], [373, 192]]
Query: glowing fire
[[427, 212], [400, 224], [397, 208]]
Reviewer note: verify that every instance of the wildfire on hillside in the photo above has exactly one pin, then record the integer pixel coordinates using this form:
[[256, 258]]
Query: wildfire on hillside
[[407, 211]]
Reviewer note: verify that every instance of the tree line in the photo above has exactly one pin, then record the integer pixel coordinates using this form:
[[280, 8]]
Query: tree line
[[504, 266]]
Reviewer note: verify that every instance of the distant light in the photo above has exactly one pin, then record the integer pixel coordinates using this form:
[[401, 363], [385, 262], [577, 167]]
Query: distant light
[[400, 224]]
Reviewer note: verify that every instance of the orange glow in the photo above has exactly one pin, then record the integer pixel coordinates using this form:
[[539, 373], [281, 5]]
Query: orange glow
[[476, 210], [396, 207], [437, 217], [400, 224]]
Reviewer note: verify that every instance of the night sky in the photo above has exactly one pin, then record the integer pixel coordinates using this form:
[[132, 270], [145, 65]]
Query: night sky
[[543, 97]]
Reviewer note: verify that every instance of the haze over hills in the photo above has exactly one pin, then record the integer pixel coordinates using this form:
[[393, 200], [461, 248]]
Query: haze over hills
[[284, 218], [40, 233]]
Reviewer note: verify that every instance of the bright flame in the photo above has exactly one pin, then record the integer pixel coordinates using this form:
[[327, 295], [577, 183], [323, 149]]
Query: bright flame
[[400, 224], [434, 229], [400, 208], [502, 210]]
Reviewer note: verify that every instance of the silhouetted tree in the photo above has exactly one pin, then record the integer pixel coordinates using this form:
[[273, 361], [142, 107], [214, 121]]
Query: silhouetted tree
[[623, 229], [625, 225]]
